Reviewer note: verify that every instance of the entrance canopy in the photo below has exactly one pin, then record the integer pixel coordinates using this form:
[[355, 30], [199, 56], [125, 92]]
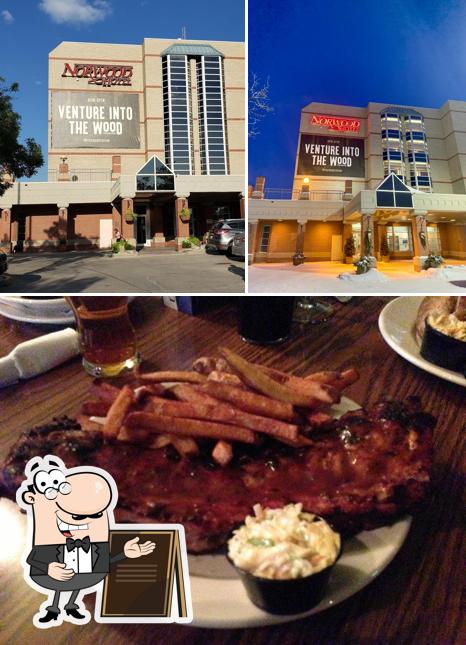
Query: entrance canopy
[[155, 176]]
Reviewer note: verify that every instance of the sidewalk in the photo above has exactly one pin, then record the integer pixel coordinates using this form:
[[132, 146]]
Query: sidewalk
[[322, 278]]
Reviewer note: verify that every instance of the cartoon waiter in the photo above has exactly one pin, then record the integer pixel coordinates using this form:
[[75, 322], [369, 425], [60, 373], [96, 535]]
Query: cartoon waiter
[[69, 515]]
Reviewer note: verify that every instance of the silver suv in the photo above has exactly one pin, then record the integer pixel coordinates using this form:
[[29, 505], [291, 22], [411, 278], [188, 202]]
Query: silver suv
[[222, 233]]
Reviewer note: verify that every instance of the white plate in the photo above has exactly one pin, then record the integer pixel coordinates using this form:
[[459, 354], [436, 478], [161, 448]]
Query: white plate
[[50, 311], [219, 598], [53, 311], [397, 322]]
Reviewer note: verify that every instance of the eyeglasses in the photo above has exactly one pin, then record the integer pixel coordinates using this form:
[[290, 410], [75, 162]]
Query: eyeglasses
[[64, 488]]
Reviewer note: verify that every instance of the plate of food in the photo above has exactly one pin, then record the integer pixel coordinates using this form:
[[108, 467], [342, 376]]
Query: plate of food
[[292, 496], [43, 310], [422, 330]]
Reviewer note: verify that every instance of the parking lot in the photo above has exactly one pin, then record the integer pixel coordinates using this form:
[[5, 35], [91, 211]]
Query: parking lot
[[74, 272]]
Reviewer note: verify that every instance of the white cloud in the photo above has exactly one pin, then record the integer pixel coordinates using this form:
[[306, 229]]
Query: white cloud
[[7, 17], [76, 12]]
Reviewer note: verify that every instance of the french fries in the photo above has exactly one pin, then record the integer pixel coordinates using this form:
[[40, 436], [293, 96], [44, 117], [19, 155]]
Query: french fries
[[182, 376], [306, 387], [225, 414], [250, 401], [224, 399], [338, 380], [189, 427], [223, 452], [253, 376], [118, 412]]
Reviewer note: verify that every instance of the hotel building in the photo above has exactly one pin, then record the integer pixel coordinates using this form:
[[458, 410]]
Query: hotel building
[[382, 172], [150, 130]]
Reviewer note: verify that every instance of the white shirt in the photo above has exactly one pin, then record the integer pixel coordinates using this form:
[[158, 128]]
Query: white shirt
[[78, 560]]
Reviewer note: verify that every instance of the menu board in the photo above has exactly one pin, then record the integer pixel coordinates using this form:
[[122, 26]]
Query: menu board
[[143, 588]]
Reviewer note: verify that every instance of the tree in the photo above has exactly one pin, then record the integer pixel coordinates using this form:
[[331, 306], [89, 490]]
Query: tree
[[258, 104], [384, 248], [16, 159], [350, 247]]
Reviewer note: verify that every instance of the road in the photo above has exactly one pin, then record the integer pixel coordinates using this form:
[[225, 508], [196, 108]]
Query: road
[[77, 272]]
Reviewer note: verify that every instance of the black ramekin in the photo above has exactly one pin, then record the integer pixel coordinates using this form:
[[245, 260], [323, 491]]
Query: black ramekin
[[285, 597], [443, 350]]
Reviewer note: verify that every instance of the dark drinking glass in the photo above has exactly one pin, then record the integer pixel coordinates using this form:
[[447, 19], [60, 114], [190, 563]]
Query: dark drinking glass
[[265, 320]]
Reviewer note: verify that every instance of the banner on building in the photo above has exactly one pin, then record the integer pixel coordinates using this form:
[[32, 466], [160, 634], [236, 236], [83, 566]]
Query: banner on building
[[329, 155], [95, 120]]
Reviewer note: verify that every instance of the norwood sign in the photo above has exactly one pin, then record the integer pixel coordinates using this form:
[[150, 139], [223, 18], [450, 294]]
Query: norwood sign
[[338, 123], [104, 75], [329, 155]]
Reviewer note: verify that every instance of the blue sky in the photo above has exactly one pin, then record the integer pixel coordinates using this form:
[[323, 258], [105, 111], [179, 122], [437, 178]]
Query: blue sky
[[349, 52], [30, 29]]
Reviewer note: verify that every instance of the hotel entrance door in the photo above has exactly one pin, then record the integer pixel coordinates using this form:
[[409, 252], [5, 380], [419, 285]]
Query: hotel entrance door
[[141, 230], [142, 225], [400, 240]]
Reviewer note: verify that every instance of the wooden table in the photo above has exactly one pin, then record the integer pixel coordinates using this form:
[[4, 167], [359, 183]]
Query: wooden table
[[416, 600]]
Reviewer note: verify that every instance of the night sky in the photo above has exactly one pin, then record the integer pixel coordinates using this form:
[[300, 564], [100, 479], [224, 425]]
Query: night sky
[[350, 52]]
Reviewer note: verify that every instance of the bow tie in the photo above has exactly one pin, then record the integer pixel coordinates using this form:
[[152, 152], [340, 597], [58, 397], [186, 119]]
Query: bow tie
[[76, 544]]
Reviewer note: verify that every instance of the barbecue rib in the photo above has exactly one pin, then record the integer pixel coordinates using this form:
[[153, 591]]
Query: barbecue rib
[[361, 471]]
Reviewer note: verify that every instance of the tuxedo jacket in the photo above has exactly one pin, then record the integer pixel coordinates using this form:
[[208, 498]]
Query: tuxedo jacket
[[43, 554]]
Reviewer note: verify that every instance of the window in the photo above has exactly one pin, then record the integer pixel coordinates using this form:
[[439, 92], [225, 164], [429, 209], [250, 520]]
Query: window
[[399, 238], [415, 136], [177, 113], [154, 176], [433, 239], [391, 134], [212, 131], [393, 193], [265, 239]]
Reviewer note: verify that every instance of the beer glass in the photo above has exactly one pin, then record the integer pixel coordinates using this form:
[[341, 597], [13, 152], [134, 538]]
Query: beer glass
[[106, 336]]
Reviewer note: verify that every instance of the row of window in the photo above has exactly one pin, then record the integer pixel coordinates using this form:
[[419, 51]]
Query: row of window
[[414, 135], [397, 155]]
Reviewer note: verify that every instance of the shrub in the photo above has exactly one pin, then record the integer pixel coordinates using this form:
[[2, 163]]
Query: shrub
[[350, 247], [194, 240], [186, 244], [432, 261], [128, 246], [363, 265]]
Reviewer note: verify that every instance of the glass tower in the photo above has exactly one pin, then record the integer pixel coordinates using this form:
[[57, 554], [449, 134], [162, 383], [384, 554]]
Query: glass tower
[[184, 110], [404, 147]]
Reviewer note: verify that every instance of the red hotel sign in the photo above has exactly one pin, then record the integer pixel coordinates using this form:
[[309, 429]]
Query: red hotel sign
[[338, 123], [105, 75]]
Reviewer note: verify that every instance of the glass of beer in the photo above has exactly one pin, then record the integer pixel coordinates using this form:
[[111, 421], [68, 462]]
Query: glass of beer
[[106, 336]]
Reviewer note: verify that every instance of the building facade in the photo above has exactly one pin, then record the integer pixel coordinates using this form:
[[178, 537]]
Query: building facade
[[383, 175], [136, 135]]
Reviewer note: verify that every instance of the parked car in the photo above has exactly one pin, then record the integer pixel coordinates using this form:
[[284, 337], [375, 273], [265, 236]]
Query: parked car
[[3, 262], [222, 233], [236, 246]]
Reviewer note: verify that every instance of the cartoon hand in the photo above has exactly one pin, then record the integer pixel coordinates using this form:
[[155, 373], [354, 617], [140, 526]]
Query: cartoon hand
[[57, 571], [134, 550]]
